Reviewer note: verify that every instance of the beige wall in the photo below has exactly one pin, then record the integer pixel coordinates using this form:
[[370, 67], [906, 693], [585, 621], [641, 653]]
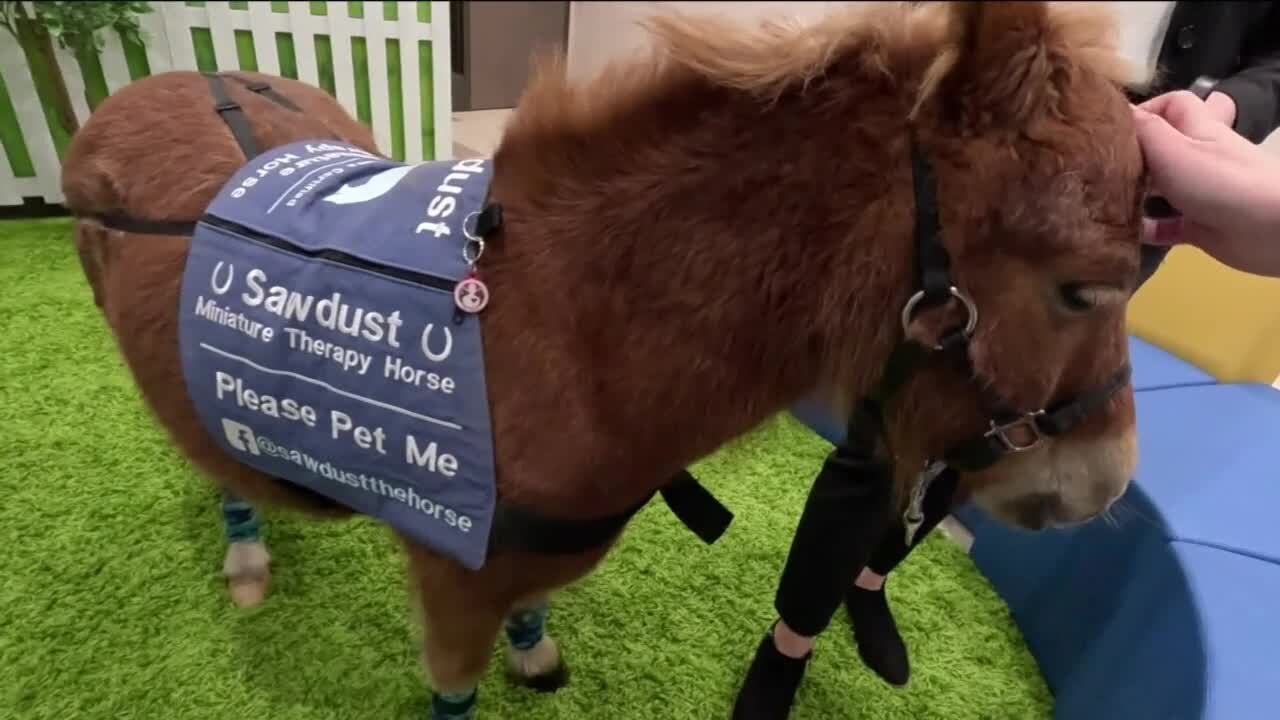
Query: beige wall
[[503, 36], [600, 32]]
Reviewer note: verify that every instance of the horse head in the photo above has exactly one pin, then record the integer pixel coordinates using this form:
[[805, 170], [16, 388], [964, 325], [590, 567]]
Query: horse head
[[1038, 182], [979, 154], [1016, 180]]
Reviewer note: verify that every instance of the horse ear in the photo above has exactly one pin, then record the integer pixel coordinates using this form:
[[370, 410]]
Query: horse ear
[[1001, 67]]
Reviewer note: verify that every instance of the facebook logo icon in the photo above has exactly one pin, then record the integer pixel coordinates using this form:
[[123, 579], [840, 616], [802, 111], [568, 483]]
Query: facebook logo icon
[[240, 436]]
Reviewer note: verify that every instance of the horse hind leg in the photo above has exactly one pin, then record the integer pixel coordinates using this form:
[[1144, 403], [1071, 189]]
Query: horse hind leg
[[461, 616], [533, 658], [247, 566]]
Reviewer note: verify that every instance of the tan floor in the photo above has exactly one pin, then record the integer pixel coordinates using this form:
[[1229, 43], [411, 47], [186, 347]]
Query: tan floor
[[477, 133]]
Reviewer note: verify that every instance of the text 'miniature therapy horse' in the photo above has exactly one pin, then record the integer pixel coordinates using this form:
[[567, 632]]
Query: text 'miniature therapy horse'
[[519, 352]]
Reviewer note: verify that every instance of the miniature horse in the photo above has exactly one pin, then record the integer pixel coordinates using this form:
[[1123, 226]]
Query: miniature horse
[[690, 244]]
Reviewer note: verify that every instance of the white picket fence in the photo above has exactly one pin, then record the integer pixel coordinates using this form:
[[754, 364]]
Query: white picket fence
[[169, 47]]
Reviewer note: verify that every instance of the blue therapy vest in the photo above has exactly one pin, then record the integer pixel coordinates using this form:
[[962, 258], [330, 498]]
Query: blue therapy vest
[[320, 341]]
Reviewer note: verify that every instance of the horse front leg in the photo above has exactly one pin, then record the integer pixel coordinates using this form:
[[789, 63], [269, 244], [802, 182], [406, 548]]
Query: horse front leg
[[247, 566], [533, 658]]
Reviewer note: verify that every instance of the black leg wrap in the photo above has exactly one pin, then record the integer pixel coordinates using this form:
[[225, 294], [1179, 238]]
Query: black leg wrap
[[525, 630]]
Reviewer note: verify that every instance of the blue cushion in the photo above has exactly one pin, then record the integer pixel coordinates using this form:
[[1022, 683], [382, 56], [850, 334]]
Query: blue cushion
[[1153, 369], [1193, 636], [1210, 465], [820, 420], [1128, 626], [1169, 611]]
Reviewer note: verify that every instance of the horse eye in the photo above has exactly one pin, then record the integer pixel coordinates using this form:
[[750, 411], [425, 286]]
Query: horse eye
[[1075, 297]]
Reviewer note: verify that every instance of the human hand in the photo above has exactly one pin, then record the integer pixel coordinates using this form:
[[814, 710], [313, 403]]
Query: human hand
[[1222, 107], [1227, 188]]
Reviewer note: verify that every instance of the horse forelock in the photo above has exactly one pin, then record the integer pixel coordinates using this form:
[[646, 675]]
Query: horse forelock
[[901, 42]]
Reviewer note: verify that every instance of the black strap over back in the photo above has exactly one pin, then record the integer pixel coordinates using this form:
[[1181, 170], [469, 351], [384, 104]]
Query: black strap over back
[[233, 115], [264, 90], [514, 527], [141, 226]]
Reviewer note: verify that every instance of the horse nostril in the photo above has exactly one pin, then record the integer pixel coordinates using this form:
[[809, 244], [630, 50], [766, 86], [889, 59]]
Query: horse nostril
[[1035, 512]]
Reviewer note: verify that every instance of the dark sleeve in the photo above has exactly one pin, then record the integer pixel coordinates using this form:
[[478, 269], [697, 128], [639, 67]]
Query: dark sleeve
[[1256, 87]]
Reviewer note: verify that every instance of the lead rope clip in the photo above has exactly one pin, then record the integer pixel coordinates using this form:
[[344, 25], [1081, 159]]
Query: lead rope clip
[[913, 516], [471, 295]]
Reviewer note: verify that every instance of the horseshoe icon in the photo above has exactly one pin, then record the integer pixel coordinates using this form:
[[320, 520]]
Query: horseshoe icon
[[448, 344], [213, 278]]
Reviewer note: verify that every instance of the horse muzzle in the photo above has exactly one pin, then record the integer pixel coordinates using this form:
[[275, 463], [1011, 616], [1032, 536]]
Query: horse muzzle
[[1063, 484]]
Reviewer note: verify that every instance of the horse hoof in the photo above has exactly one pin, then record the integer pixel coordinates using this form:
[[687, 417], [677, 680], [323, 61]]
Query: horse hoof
[[247, 592], [539, 668], [248, 571], [548, 682]]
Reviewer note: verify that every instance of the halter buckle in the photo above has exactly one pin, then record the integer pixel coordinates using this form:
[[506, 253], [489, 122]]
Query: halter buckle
[[971, 322], [1027, 421]]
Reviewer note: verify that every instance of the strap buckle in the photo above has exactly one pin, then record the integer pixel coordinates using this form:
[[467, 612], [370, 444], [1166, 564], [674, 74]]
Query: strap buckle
[[1027, 425]]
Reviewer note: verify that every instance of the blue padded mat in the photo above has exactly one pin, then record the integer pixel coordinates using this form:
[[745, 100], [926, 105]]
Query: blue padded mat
[[1193, 637], [818, 419], [1174, 612], [1153, 368], [1128, 626], [1209, 465]]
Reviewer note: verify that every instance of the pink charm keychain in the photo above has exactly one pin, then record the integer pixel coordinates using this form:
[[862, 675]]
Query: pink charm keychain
[[471, 295]]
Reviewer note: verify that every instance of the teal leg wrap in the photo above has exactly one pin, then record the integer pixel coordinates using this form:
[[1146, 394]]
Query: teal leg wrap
[[239, 519], [525, 627], [453, 706]]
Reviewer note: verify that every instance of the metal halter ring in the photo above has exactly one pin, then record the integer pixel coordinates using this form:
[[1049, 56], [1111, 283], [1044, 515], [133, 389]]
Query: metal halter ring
[[1028, 420], [909, 309]]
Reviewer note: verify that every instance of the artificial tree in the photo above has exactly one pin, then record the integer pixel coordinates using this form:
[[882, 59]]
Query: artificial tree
[[75, 26]]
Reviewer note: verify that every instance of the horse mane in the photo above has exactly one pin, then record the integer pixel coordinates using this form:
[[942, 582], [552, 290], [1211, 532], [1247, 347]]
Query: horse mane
[[782, 54]]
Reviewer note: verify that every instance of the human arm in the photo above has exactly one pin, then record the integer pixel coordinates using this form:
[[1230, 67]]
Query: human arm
[[1226, 188]]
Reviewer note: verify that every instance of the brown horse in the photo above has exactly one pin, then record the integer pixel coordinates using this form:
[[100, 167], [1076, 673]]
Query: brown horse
[[691, 243]]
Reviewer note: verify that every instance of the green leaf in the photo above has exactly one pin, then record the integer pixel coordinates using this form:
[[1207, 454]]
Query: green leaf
[[77, 26]]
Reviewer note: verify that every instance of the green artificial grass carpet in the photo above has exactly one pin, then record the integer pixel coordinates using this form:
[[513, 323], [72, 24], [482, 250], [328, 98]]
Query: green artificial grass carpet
[[112, 604]]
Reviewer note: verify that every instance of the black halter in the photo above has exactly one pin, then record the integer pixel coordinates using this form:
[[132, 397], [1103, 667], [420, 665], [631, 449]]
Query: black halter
[[1009, 430]]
